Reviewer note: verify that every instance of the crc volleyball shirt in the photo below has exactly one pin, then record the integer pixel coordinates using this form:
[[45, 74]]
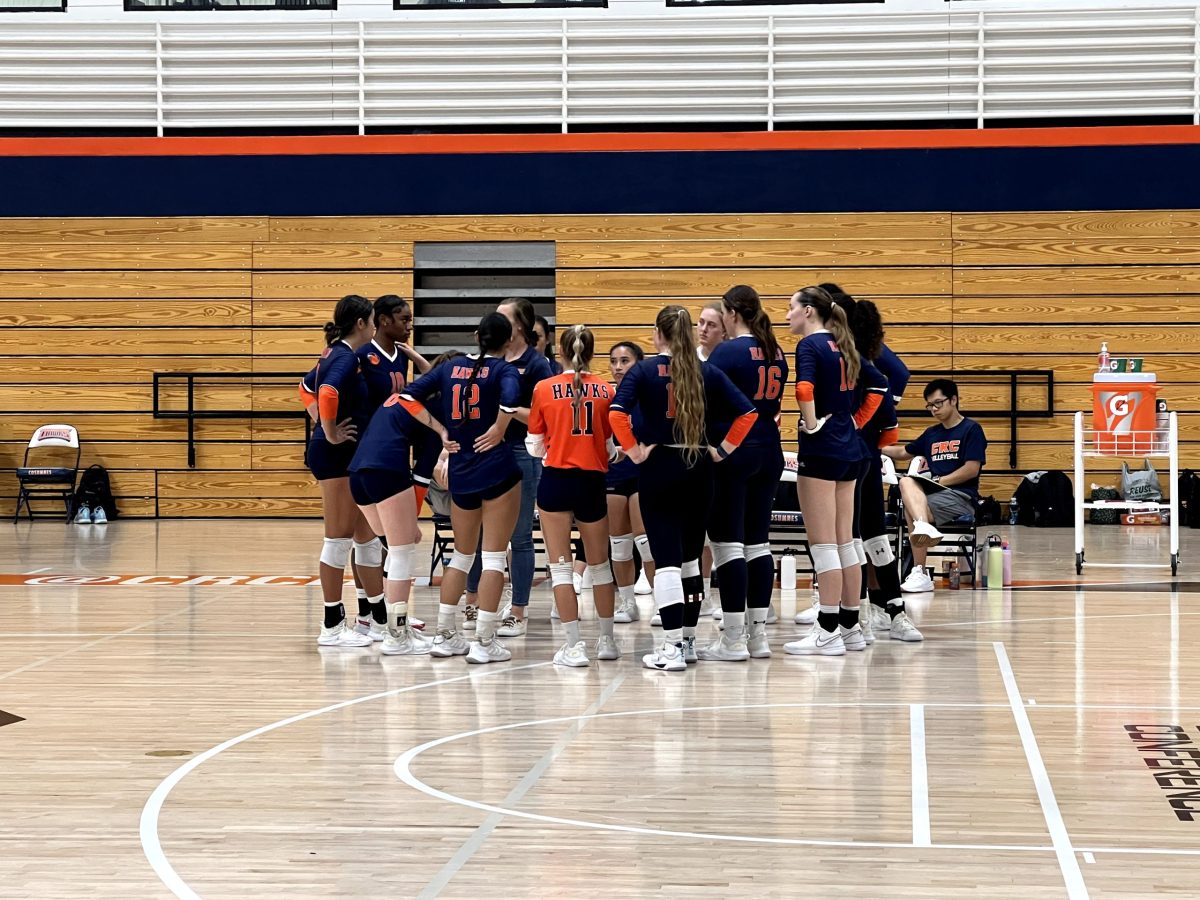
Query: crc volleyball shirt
[[946, 449]]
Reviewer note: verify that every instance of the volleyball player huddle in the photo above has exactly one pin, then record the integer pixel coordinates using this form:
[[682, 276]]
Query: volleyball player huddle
[[679, 449]]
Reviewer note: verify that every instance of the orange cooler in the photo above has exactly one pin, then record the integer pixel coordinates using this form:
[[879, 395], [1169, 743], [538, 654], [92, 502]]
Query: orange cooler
[[1123, 411]]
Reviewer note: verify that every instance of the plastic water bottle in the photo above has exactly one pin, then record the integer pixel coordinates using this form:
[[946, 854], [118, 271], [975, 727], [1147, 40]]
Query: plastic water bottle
[[787, 572], [1102, 359], [1007, 563], [1012, 510]]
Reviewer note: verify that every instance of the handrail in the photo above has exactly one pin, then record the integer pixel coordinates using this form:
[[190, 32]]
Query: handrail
[[1013, 413], [192, 414]]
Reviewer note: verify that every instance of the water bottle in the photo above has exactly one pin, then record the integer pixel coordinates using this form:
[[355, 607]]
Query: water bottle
[[1102, 359], [787, 572], [995, 562], [1012, 510], [1007, 563], [955, 577]]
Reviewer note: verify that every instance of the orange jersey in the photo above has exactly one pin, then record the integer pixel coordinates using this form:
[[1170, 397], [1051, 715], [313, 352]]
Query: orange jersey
[[575, 438]]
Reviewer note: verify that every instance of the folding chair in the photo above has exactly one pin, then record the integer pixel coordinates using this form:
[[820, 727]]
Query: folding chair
[[43, 474]]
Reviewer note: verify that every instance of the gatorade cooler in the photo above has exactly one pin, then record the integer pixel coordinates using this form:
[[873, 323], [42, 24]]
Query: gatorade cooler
[[1123, 411]]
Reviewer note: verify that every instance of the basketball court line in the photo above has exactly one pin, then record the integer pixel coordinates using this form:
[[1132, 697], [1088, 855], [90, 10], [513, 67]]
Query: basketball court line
[[148, 825], [1067, 861], [464, 853], [920, 776]]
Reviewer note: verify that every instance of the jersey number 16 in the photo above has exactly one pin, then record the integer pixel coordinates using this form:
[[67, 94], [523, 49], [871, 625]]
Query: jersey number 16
[[770, 383]]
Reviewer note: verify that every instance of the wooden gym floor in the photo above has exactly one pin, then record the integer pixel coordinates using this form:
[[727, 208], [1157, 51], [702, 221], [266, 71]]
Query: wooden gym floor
[[159, 737]]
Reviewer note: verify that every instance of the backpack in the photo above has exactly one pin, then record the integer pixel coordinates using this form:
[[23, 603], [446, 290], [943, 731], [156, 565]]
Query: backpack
[[987, 511], [94, 490], [1189, 498], [1046, 500]]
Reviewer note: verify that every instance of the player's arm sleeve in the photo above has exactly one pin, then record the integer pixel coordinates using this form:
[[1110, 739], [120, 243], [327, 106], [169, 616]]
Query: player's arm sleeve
[[806, 372], [621, 410], [510, 390], [535, 438], [332, 379], [420, 389], [739, 403], [876, 389]]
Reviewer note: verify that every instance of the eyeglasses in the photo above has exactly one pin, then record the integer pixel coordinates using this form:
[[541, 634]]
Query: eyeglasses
[[935, 405]]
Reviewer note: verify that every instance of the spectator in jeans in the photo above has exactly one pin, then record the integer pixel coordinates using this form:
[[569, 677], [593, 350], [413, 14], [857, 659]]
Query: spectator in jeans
[[955, 450]]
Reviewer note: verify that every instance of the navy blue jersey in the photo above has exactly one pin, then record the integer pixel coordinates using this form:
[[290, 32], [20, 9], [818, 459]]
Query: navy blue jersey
[[337, 377], [894, 370], [744, 360], [384, 375], [468, 411], [390, 438], [531, 367], [873, 381], [820, 363], [426, 450], [625, 469], [946, 449], [647, 388]]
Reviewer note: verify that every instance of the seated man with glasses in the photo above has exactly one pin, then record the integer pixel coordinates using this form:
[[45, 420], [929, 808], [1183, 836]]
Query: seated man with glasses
[[955, 450]]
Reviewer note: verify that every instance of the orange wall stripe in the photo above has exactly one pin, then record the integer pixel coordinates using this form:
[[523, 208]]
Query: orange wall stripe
[[577, 143]]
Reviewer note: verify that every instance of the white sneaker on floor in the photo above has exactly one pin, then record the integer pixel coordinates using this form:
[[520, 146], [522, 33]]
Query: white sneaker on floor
[[864, 622], [341, 635], [606, 647], [689, 650], [405, 642], [817, 642], [772, 618], [504, 610], [368, 627], [627, 612], [656, 619], [470, 614], [573, 655], [808, 615], [904, 630], [643, 584], [717, 613], [758, 646], [925, 535], [449, 644], [917, 582], [880, 620], [852, 638], [665, 657], [493, 651], [416, 624], [725, 650], [511, 627]]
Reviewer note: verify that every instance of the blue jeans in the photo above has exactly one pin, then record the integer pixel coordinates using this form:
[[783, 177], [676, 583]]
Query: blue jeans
[[521, 571]]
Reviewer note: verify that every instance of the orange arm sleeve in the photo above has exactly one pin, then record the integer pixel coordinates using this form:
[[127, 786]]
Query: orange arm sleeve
[[327, 402], [889, 437], [622, 428], [741, 427], [414, 407], [804, 390], [870, 404], [306, 397]]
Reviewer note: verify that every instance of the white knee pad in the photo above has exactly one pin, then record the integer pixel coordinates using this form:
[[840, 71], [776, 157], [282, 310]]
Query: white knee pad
[[399, 563], [726, 552], [825, 558], [757, 551], [369, 554], [879, 551], [860, 551], [336, 552], [691, 569], [494, 560], [601, 574], [461, 561], [560, 574], [622, 547], [847, 556], [668, 587], [643, 548]]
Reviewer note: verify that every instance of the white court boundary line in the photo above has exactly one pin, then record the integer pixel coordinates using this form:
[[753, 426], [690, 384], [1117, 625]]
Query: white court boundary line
[[472, 844], [148, 827], [920, 777], [1067, 861]]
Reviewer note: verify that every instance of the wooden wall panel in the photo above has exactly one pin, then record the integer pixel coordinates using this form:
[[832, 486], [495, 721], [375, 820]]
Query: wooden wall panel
[[91, 308]]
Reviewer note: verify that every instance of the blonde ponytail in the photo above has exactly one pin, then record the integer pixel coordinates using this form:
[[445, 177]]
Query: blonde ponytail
[[578, 345], [839, 327], [675, 325]]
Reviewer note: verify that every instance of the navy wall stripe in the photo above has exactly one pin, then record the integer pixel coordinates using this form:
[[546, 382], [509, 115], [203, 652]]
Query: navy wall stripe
[[954, 180]]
